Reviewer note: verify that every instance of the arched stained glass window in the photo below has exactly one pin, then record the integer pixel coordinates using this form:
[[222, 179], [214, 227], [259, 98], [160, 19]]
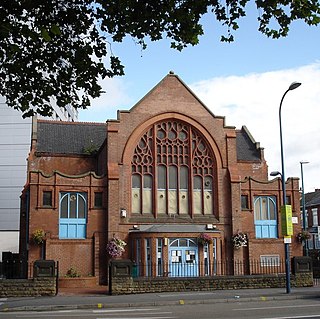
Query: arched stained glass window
[[172, 171]]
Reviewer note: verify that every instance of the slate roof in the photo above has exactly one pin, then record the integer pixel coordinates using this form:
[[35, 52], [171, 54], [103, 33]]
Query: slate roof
[[312, 199], [69, 138], [247, 148], [75, 137]]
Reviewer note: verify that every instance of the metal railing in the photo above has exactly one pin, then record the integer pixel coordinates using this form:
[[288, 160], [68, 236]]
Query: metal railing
[[316, 268], [216, 268], [14, 269]]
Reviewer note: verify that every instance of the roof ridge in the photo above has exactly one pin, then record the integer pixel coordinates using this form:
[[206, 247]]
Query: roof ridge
[[71, 123]]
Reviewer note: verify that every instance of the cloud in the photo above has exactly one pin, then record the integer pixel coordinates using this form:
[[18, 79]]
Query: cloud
[[254, 99], [106, 106]]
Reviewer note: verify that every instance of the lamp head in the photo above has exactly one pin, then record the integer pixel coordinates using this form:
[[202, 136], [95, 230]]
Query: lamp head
[[304, 162], [275, 173], [294, 85]]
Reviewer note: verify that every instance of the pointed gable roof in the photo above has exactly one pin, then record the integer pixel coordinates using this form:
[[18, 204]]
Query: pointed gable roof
[[247, 148], [313, 198], [164, 82]]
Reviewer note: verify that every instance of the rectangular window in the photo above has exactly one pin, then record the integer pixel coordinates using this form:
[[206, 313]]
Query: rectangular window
[[270, 260], [161, 193], [316, 242], [288, 200], [311, 241], [47, 198], [98, 203], [159, 257], [136, 194], [244, 202], [148, 267], [315, 221], [147, 194]]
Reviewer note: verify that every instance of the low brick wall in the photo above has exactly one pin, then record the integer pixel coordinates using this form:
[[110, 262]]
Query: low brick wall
[[28, 287], [78, 282], [129, 285]]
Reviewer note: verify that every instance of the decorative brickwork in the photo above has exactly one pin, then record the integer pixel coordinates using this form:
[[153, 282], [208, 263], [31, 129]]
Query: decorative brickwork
[[166, 171]]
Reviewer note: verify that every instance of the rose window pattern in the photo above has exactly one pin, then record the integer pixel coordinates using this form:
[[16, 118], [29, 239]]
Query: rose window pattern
[[172, 171]]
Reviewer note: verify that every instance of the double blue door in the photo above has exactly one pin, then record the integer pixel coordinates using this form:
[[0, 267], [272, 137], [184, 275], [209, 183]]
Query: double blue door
[[183, 258]]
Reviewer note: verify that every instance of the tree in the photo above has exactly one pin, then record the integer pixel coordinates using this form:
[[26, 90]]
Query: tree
[[54, 51]]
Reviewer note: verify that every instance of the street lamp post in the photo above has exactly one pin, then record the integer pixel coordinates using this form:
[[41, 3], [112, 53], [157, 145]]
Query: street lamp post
[[292, 86], [304, 222]]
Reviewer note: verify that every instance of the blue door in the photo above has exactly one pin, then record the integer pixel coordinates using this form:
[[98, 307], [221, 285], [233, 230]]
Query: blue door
[[72, 228], [266, 228], [183, 258]]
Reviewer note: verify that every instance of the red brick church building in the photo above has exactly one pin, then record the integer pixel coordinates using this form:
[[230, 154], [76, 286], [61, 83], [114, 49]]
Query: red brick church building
[[162, 176]]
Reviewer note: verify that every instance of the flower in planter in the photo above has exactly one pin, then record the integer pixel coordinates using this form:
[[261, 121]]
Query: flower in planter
[[72, 273], [38, 236], [303, 236], [204, 239], [116, 247], [239, 240]]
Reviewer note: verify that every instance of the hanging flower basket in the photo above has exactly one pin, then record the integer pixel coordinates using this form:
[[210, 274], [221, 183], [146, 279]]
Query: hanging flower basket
[[116, 247], [204, 239], [303, 236], [239, 240], [38, 236]]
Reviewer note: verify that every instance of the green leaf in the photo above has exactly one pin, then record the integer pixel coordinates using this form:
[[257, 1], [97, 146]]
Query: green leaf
[[45, 35], [55, 29]]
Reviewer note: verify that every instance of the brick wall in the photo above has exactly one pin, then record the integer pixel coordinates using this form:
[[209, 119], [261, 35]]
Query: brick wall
[[85, 255], [70, 253], [129, 285], [28, 287]]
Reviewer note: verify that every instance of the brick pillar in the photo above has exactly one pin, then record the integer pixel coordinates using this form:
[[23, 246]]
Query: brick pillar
[[96, 257]]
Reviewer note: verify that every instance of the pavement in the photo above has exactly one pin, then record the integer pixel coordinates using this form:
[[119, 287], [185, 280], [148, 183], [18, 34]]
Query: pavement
[[98, 297]]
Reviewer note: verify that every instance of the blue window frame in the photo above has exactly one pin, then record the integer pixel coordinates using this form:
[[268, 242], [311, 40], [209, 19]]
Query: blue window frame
[[265, 217], [73, 212]]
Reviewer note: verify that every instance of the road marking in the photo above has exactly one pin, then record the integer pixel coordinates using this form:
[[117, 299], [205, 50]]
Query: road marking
[[148, 313], [144, 313], [124, 310], [295, 317], [187, 294], [277, 307], [141, 318]]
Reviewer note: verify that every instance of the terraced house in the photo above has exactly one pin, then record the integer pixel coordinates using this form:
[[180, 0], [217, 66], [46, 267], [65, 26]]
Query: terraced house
[[184, 191], [312, 205]]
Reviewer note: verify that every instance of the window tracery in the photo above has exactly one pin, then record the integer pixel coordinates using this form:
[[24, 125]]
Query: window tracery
[[172, 171]]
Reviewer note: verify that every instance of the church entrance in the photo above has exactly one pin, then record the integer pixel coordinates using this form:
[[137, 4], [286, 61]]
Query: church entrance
[[183, 258]]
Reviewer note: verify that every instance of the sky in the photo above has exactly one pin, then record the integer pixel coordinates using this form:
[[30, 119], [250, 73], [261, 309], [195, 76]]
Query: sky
[[243, 81]]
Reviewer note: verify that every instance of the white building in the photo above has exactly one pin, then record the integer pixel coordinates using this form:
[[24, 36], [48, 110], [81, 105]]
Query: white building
[[15, 134]]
